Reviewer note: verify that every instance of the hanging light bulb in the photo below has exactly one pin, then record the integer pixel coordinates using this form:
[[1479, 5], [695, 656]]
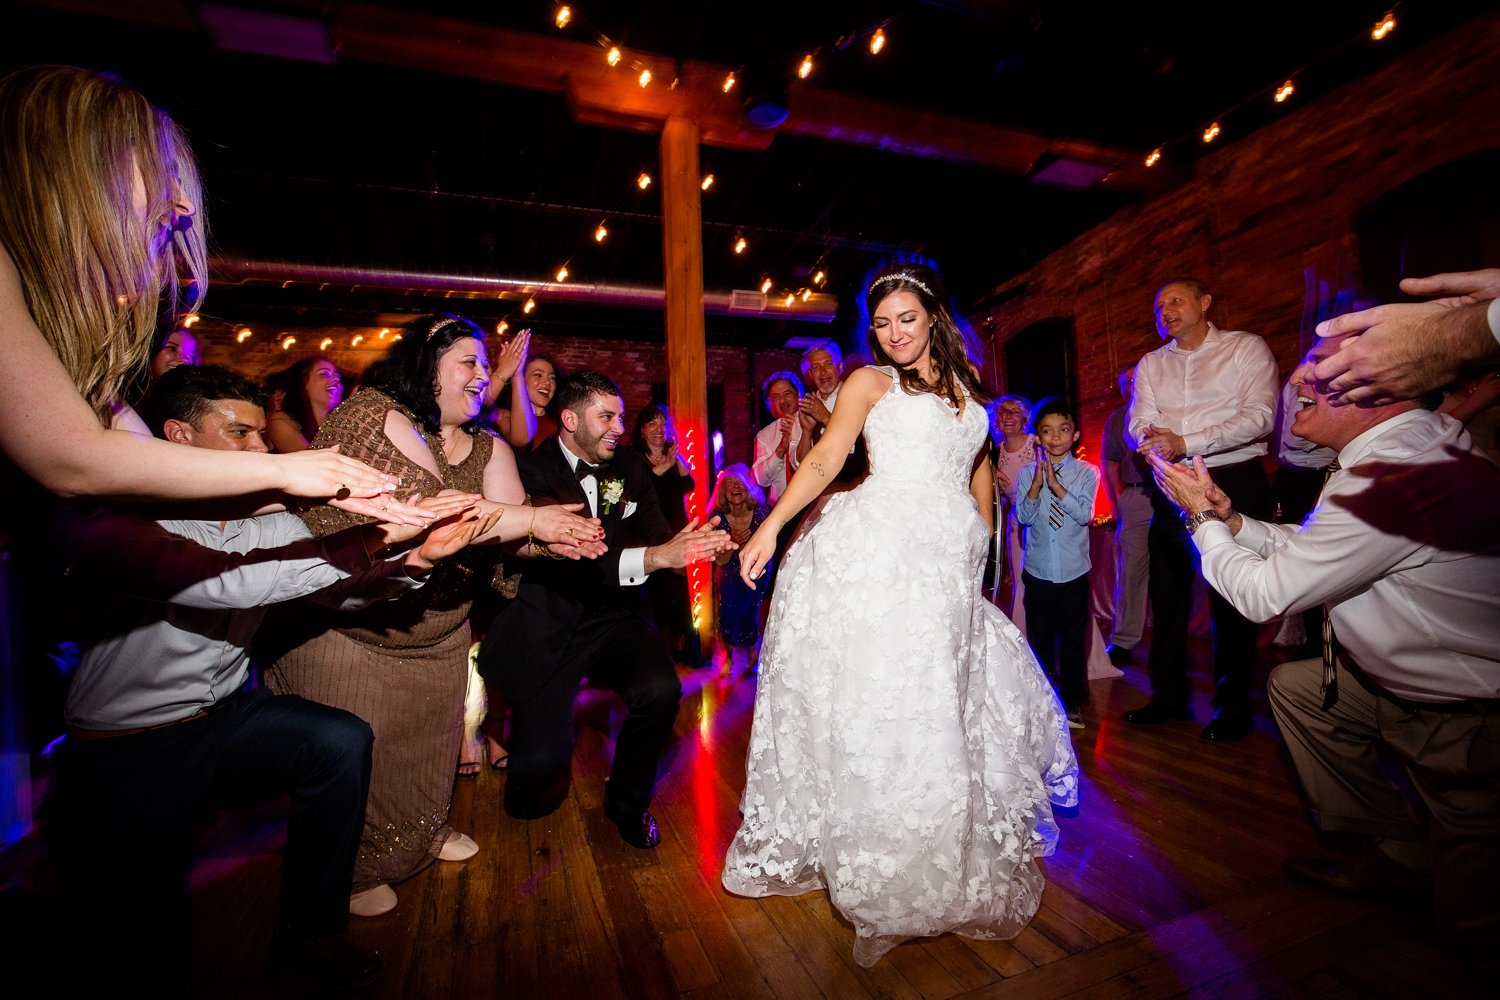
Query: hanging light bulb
[[613, 55], [384, 333], [643, 181], [326, 342], [708, 181], [765, 286], [729, 82], [1211, 133], [806, 294], [819, 278], [243, 335], [501, 327], [740, 244], [287, 342], [1384, 26], [358, 339], [645, 78], [1153, 157], [529, 306], [805, 70], [564, 15], [562, 274], [189, 320], [1284, 91], [877, 41], [601, 233], [790, 298]]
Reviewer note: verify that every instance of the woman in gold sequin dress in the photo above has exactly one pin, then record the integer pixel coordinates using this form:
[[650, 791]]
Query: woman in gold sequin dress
[[402, 665]]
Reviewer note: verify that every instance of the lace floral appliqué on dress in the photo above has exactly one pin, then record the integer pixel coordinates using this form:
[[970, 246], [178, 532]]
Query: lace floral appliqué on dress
[[907, 749]]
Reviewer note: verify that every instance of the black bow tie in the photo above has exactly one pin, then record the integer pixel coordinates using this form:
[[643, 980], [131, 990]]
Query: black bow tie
[[584, 470]]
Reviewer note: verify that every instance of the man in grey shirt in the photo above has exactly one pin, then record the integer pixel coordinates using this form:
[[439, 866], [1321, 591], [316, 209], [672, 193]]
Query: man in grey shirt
[[1127, 481], [162, 726]]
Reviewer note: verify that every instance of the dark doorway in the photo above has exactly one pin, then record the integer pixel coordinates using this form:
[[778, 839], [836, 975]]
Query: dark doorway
[[1039, 361], [1446, 219]]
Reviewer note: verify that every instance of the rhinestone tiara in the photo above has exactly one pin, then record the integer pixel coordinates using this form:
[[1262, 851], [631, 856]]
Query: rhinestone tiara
[[905, 276]]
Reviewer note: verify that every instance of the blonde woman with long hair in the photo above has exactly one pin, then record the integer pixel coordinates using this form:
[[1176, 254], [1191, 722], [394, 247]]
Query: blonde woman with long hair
[[99, 215]]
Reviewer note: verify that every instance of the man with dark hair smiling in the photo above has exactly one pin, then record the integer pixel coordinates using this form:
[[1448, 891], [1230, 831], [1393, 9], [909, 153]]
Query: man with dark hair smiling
[[162, 722], [575, 618], [1403, 552]]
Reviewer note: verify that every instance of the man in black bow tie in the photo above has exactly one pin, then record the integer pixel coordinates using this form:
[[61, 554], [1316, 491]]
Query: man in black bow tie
[[580, 618]]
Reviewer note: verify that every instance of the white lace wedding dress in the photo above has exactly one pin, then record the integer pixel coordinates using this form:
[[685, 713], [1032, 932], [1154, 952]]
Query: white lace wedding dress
[[907, 749]]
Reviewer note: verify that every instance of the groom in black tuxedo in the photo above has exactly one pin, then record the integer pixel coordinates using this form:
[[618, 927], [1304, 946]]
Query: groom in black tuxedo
[[587, 618]]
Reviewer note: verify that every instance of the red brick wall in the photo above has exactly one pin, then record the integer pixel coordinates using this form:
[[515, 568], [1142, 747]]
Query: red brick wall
[[1260, 217]]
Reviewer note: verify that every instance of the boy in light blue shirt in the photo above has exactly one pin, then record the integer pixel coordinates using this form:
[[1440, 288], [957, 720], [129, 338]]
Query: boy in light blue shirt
[[1054, 504]]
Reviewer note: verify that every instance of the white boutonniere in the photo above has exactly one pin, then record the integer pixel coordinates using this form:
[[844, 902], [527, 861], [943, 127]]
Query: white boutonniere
[[611, 492]]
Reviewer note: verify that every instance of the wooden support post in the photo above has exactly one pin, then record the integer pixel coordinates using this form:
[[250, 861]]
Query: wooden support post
[[687, 372]]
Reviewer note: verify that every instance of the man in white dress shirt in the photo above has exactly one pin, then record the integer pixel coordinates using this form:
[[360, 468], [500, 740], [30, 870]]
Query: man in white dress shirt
[[776, 444], [1211, 394], [1403, 549]]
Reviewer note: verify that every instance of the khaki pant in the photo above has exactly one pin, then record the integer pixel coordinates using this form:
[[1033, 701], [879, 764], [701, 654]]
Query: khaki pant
[[1452, 759]]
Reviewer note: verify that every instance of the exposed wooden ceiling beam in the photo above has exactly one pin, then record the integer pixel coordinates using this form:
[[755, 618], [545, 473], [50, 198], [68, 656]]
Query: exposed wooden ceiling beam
[[601, 95]]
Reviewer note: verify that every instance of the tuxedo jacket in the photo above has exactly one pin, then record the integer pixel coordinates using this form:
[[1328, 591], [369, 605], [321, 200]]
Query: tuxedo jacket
[[526, 644]]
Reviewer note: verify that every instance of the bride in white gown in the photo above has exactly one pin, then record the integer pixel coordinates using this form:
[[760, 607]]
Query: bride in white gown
[[907, 749]]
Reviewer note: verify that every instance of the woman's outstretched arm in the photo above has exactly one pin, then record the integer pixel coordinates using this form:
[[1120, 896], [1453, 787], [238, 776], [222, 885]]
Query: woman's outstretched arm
[[52, 435]]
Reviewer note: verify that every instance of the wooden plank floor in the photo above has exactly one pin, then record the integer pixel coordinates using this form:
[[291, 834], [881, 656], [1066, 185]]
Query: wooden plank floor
[[1167, 883]]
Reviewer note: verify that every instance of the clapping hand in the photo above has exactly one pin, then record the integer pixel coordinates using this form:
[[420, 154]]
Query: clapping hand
[[1162, 441], [785, 425], [1041, 473], [1191, 488], [812, 408], [1001, 479], [512, 357]]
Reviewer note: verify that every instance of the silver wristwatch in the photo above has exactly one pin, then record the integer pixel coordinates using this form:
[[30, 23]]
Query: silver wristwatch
[[1192, 522]]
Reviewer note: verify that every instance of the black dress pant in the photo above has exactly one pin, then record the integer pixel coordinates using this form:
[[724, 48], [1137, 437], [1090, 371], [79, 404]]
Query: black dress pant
[[617, 650], [126, 808], [1174, 565], [1057, 620]]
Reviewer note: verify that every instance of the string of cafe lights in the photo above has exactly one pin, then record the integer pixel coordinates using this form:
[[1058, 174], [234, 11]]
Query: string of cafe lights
[[1279, 94], [568, 17]]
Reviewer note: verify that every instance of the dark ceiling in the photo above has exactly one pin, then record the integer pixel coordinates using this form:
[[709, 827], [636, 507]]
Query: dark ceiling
[[368, 165]]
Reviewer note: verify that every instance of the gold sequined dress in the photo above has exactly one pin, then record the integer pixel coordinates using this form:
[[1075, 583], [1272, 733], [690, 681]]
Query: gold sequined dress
[[400, 665]]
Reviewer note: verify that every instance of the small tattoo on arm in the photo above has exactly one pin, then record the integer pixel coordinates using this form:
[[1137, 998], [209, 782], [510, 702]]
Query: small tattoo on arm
[[818, 466]]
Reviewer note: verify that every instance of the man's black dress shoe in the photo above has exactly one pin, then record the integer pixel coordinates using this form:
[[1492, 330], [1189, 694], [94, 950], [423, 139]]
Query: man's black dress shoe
[[1119, 655], [1227, 728], [1369, 874], [1154, 711], [638, 830], [332, 961]]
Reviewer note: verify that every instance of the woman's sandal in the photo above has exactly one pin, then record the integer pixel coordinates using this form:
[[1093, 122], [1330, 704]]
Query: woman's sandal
[[498, 756], [471, 756]]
